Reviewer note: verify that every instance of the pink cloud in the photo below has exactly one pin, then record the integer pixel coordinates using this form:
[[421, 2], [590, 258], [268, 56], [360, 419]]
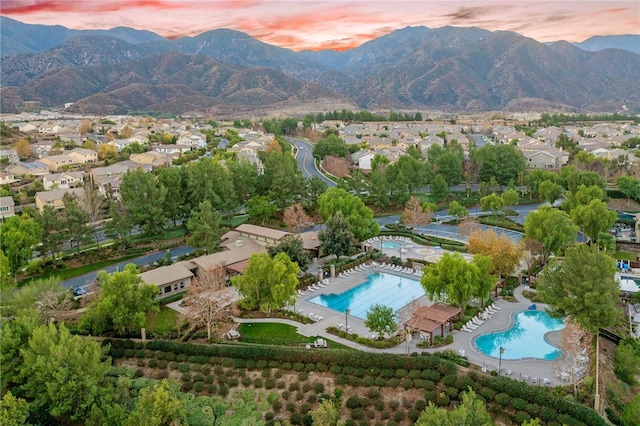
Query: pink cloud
[[335, 24]]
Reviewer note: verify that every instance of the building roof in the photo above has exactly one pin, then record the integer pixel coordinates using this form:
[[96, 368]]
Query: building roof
[[310, 240], [7, 201], [166, 274], [429, 318], [57, 194], [262, 231]]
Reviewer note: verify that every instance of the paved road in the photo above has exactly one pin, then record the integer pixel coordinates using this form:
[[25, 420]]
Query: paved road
[[306, 162], [142, 260]]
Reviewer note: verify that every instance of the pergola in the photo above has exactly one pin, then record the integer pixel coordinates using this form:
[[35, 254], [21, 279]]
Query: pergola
[[427, 319]]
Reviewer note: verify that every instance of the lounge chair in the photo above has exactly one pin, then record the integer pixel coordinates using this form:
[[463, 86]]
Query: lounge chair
[[506, 372], [477, 321], [546, 381], [493, 306]]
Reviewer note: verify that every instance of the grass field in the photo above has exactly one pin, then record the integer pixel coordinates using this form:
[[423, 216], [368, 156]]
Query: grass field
[[624, 255], [277, 334], [162, 322]]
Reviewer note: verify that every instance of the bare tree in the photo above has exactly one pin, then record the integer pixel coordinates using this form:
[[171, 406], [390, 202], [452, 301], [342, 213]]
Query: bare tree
[[415, 215], [575, 344], [337, 166], [52, 304], [208, 300], [532, 251], [467, 226], [295, 217]]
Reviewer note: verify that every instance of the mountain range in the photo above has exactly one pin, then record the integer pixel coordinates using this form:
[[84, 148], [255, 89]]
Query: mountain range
[[414, 68]]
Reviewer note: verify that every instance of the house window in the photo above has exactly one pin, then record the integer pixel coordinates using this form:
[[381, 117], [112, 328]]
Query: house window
[[4, 209], [181, 284], [175, 287], [167, 289]]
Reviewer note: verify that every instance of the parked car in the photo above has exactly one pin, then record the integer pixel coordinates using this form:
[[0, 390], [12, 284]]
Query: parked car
[[79, 291]]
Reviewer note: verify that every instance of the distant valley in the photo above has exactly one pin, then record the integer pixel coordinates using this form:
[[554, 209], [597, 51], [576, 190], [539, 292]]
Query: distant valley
[[225, 71]]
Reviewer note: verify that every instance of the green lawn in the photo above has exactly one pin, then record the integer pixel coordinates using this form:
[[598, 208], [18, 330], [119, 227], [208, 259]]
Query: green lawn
[[277, 334], [162, 322], [624, 255]]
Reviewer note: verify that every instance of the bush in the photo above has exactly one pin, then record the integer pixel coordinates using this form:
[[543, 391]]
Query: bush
[[257, 383], [223, 390], [211, 388], [269, 383], [186, 377], [187, 386], [276, 405], [246, 381], [357, 413], [398, 416], [183, 368], [198, 386]]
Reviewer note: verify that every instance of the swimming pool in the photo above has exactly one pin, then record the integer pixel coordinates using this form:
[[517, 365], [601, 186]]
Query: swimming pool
[[391, 245], [379, 288], [525, 339]]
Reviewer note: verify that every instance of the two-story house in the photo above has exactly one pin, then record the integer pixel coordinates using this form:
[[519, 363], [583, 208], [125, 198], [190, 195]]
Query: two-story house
[[64, 180], [7, 207], [54, 198], [83, 155], [34, 168], [57, 162]]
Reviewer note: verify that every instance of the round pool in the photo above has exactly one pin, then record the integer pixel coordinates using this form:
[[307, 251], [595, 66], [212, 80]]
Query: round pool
[[390, 245], [525, 338]]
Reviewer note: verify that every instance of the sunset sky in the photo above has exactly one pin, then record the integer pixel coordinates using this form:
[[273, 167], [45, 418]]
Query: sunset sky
[[334, 24]]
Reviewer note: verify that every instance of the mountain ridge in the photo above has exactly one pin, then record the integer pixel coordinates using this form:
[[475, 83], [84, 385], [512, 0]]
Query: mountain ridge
[[447, 68]]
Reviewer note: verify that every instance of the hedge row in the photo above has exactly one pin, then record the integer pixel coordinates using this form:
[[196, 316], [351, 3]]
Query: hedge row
[[302, 356]]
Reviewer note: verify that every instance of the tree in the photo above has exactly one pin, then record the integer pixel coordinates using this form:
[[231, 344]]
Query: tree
[[582, 196], [631, 412], [582, 287], [594, 218], [119, 227], [549, 191], [76, 222], [260, 209], [503, 162], [18, 237], [294, 248], [492, 202], [531, 250], [450, 279], [552, 227], [471, 412], [575, 340], [123, 302], [13, 411], [629, 186], [63, 374], [23, 149], [244, 175], [158, 405], [336, 238], [268, 283], [206, 300], [174, 201], [327, 414], [107, 152], [449, 165], [458, 210], [505, 254], [204, 228], [91, 201], [358, 216], [52, 236], [510, 197], [381, 319], [439, 188], [626, 362], [571, 178], [331, 145], [7, 282], [143, 197], [414, 215], [296, 218]]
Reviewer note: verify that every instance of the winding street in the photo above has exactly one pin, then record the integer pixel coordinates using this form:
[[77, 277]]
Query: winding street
[[306, 161]]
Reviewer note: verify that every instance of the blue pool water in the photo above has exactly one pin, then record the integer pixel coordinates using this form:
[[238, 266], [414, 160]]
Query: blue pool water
[[379, 288], [525, 339], [390, 245]]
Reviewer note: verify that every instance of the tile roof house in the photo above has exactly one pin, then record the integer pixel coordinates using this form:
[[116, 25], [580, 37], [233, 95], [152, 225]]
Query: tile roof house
[[152, 158], [10, 155], [547, 158]]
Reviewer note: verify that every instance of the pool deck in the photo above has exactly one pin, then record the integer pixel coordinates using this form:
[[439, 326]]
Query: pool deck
[[521, 369]]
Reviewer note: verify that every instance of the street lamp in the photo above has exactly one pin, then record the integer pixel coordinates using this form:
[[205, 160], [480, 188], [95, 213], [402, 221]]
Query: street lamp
[[346, 321], [500, 361]]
